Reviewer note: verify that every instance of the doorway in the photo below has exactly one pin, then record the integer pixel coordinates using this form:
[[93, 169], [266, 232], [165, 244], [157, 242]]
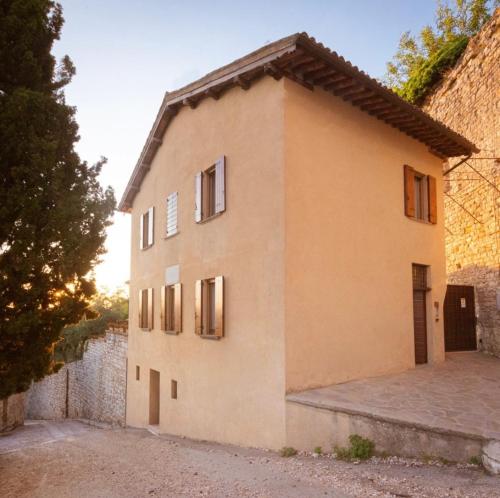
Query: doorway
[[459, 318], [419, 273], [154, 397]]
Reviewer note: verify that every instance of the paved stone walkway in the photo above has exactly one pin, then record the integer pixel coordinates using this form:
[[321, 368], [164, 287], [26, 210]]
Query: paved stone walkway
[[460, 395]]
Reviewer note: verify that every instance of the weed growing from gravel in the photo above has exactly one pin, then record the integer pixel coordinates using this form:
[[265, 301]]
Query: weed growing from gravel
[[360, 448], [318, 450], [475, 460], [288, 451]]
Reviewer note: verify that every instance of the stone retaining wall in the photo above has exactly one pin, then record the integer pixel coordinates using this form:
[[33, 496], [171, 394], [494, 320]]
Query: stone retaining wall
[[467, 101], [93, 387]]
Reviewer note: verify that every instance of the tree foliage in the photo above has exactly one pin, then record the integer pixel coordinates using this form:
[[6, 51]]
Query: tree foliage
[[105, 308], [420, 61], [53, 212]]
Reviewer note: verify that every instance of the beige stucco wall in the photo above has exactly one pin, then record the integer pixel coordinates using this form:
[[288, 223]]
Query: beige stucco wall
[[230, 390], [349, 248]]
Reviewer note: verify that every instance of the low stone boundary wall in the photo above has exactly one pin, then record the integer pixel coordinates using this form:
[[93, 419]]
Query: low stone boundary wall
[[93, 387], [11, 412]]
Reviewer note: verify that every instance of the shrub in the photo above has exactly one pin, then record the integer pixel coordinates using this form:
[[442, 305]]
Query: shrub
[[360, 448], [430, 71], [318, 450], [288, 451]]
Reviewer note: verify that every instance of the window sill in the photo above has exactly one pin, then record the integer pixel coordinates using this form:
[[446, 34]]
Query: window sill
[[146, 248], [425, 222], [170, 332], [166, 237], [209, 218], [145, 329], [210, 337]]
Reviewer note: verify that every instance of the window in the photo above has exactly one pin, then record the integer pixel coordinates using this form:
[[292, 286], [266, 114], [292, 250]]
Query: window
[[137, 372], [209, 307], [420, 195], [173, 389], [210, 196], [171, 308], [172, 214], [146, 229], [146, 309]]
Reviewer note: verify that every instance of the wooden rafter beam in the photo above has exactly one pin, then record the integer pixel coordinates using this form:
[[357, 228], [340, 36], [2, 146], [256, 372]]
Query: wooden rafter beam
[[273, 70], [241, 82], [191, 102]]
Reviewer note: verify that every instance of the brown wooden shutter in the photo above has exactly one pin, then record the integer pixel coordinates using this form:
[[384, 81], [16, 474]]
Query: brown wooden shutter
[[409, 191], [163, 311], [220, 185], [198, 307], [141, 232], [219, 306], [177, 308], [150, 309], [140, 309], [431, 185], [198, 206]]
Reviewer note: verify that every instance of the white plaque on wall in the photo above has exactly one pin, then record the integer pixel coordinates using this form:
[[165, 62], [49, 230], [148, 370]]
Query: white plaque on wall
[[172, 275]]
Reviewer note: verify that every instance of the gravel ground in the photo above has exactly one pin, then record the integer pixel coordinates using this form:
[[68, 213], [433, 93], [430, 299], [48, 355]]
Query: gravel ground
[[72, 459]]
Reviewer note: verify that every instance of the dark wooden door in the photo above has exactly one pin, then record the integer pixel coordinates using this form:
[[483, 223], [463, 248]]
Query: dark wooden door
[[459, 318], [420, 326]]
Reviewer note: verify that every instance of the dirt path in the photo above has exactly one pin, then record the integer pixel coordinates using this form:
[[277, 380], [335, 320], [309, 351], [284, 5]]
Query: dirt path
[[71, 459]]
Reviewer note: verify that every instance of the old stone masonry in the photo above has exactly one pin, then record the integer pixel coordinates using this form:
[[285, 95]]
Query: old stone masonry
[[467, 100], [92, 388]]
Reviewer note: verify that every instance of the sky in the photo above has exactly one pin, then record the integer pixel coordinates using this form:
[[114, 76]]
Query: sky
[[128, 53]]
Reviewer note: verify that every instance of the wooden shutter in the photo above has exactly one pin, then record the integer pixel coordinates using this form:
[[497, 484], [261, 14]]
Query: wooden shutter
[[198, 208], [172, 214], [409, 191], [151, 225], [150, 309], [177, 308], [163, 311], [219, 306], [140, 307], [198, 307], [141, 232], [220, 185], [431, 196]]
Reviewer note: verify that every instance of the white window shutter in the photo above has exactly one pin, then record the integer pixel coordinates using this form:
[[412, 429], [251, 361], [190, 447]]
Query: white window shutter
[[151, 224], [141, 232], [220, 185], [198, 197], [172, 214]]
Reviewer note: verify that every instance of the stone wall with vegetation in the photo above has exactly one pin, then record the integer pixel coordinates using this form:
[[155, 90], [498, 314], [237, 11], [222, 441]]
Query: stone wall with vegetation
[[467, 100], [93, 388]]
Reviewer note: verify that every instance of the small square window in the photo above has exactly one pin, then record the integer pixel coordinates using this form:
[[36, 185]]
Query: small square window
[[173, 389], [137, 372]]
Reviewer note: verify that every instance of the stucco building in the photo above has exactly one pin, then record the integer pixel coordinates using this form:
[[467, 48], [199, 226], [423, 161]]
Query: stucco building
[[287, 233]]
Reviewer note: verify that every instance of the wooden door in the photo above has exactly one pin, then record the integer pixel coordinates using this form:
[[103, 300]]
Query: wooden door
[[420, 326], [154, 397], [459, 318], [420, 313]]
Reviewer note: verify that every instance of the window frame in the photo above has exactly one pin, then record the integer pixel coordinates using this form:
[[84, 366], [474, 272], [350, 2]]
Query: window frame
[[146, 309], [210, 191], [146, 229], [208, 291], [420, 196], [171, 309]]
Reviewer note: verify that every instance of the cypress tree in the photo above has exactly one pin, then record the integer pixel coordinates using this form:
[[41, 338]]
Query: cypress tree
[[53, 212]]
